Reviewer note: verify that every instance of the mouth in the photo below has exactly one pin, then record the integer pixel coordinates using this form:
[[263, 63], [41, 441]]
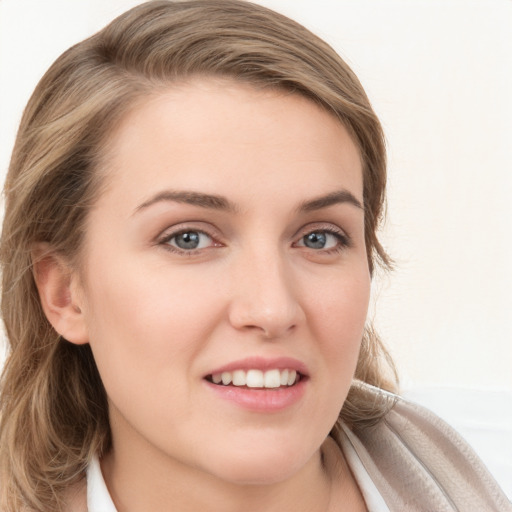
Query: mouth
[[273, 378], [259, 384]]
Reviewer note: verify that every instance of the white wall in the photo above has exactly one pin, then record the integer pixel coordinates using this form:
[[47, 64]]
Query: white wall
[[439, 73]]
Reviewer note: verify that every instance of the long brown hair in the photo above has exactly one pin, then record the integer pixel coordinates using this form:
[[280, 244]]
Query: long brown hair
[[54, 414]]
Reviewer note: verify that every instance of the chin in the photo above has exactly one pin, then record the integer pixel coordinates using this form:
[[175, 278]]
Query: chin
[[263, 466]]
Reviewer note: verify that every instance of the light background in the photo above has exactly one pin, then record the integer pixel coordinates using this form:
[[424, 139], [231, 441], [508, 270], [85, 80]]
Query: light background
[[439, 74]]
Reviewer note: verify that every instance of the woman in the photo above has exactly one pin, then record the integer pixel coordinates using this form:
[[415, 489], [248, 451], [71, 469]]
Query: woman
[[190, 232]]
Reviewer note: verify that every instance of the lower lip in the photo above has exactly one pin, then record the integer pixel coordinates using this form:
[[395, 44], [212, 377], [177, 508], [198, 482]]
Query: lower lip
[[261, 400]]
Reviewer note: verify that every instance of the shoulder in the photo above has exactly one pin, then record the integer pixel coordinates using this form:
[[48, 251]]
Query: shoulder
[[419, 463]]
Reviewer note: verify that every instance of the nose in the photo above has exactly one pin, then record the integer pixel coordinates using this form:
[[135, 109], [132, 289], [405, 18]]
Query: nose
[[265, 297]]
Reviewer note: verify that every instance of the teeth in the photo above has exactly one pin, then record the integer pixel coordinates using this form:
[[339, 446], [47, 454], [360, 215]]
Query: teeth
[[239, 378], [272, 379], [256, 378]]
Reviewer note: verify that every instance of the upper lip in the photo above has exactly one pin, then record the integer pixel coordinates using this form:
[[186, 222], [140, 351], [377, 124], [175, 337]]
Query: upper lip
[[263, 364]]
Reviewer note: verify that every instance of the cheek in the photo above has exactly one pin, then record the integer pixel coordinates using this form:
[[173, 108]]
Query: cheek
[[152, 300], [146, 331], [147, 324], [339, 307], [337, 318]]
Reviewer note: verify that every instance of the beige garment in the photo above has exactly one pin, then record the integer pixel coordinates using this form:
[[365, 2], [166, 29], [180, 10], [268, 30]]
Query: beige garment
[[420, 464]]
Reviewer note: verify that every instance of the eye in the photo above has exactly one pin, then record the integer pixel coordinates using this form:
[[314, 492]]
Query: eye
[[319, 240], [323, 240], [189, 240]]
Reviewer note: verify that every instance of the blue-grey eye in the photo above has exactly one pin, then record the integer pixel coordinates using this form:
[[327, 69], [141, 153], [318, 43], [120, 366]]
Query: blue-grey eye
[[319, 240], [315, 240], [190, 240]]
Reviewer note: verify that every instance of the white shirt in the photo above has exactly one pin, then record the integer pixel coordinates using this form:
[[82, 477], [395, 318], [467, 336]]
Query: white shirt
[[98, 497], [99, 500]]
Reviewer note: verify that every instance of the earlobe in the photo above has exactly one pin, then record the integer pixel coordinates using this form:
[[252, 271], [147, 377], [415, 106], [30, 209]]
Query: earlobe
[[57, 286]]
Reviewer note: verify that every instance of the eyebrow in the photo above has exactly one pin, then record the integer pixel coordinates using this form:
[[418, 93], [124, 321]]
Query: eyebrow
[[216, 202], [338, 197], [210, 201]]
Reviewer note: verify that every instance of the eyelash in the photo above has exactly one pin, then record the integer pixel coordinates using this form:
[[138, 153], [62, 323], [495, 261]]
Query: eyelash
[[343, 240]]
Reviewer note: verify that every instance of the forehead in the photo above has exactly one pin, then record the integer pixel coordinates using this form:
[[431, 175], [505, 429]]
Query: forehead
[[213, 133]]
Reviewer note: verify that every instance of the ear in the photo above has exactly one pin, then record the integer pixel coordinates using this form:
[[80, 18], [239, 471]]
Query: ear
[[60, 294]]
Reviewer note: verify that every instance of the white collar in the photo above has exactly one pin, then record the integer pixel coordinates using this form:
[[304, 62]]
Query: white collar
[[98, 497]]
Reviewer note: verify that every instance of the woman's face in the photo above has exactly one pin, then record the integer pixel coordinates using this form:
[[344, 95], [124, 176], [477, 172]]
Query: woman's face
[[227, 245]]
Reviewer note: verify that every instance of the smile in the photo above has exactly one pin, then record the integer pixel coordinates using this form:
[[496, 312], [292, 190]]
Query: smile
[[253, 378], [259, 384]]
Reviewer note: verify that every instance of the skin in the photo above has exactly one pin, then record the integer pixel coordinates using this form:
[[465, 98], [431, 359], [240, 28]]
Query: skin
[[159, 318]]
